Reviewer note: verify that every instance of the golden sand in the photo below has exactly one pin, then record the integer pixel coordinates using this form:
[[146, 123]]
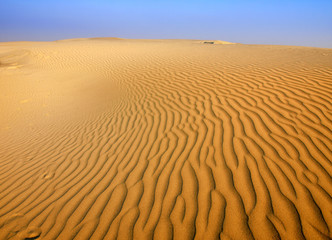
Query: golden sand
[[161, 139]]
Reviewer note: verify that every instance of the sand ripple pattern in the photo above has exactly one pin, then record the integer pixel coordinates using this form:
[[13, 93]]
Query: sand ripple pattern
[[202, 142]]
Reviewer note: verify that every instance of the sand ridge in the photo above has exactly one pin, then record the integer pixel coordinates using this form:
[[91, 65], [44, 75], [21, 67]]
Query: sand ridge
[[141, 139]]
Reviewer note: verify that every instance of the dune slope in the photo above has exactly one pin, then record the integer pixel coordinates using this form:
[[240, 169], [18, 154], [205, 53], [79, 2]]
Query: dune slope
[[141, 139]]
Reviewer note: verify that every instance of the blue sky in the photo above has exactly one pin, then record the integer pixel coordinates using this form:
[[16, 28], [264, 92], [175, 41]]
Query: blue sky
[[302, 23]]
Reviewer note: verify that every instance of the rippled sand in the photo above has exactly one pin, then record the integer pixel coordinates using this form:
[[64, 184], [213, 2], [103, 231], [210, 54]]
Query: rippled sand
[[161, 139]]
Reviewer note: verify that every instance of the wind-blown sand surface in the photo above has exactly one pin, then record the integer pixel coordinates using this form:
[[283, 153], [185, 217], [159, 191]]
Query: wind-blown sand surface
[[143, 139]]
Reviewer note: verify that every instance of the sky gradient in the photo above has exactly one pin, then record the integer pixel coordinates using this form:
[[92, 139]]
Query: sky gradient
[[292, 22]]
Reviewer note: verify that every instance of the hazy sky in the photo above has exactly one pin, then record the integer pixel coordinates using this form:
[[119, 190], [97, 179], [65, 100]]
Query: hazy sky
[[291, 22]]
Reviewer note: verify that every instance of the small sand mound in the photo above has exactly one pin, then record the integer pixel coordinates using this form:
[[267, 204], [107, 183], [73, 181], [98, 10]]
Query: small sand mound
[[216, 42]]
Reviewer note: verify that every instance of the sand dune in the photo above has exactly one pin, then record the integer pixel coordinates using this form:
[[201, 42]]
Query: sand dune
[[162, 139]]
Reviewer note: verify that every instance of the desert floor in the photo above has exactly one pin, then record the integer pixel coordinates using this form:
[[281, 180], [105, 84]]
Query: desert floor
[[161, 139]]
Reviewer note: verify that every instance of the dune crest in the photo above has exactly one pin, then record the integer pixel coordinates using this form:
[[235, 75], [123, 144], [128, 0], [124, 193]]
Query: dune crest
[[139, 139]]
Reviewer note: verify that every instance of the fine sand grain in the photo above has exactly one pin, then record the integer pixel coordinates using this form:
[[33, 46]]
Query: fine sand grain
[[160, 139]]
